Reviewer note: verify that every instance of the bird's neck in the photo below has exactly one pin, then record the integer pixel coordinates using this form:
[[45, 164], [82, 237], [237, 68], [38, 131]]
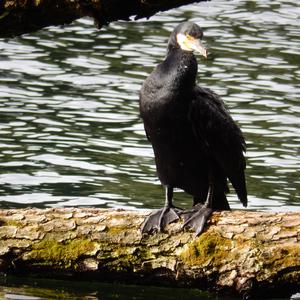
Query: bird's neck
[[182, 67]]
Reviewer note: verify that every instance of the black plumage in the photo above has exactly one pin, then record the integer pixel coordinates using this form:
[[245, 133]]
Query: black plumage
[[196, 143]]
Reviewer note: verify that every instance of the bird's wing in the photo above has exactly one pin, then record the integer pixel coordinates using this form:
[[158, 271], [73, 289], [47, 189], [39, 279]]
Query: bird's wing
[[216, 130]]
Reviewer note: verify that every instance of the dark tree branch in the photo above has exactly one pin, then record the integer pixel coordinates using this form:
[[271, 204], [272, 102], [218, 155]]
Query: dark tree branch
[[24, 16]]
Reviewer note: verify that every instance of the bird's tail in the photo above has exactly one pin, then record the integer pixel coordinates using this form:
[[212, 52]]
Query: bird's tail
[[239, 183]]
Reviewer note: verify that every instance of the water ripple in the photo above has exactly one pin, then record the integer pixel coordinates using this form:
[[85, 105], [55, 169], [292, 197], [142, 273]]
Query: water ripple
[[70, 128]]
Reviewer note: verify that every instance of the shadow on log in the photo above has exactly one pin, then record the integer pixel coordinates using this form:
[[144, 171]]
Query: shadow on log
[[241, 252], [23, 16]]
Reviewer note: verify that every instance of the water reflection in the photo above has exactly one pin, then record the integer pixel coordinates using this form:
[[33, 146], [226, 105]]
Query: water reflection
[[70, 129], [34, 288]]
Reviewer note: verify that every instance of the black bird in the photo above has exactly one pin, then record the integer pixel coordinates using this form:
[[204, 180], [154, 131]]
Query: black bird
[[196, 143]]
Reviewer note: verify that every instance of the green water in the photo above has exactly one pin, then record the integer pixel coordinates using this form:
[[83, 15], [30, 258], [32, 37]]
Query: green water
[[55, 289], [69, 124], [41, 289]]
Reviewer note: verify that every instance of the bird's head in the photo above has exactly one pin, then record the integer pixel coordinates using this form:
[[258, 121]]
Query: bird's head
[[187, 36]]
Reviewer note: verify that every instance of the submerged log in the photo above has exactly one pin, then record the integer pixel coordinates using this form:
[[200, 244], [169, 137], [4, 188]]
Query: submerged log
[[23, 16], [240, 252]]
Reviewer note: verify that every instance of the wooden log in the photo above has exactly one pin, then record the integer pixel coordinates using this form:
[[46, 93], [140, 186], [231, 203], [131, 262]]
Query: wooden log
[[23, 16], [240, 252]]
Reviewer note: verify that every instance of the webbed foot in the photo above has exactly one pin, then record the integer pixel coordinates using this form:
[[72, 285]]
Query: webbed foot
[[197, 218], [160, 218], [188, 213]]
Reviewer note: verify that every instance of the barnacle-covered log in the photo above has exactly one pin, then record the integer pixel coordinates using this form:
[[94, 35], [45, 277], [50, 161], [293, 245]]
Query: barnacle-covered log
[[240, 252], [23, 16]]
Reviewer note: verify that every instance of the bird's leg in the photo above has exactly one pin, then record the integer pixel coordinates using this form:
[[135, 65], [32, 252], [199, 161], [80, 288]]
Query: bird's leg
[[160, 218], [198, 219]]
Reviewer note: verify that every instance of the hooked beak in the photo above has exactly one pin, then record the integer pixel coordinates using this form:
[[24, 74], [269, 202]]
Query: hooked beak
[[189, 43], [197, 46]]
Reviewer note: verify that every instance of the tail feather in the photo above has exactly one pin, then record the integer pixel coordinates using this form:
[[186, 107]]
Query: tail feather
[[239, 183]]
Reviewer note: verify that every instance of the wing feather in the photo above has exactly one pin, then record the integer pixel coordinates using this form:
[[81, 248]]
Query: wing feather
[[215, 128]]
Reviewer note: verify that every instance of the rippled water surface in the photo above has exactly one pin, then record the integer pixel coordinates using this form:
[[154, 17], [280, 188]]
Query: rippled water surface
[[70, 129]]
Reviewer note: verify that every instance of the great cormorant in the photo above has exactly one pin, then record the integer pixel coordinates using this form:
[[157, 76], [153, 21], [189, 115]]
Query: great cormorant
[[196, 143]]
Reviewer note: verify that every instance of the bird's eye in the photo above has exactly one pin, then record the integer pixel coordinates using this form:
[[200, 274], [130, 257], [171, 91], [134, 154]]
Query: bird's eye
[[189, 37]]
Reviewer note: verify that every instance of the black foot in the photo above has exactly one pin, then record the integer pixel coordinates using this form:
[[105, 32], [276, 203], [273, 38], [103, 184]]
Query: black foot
[[188, 213], [160, 218], [197, 217]]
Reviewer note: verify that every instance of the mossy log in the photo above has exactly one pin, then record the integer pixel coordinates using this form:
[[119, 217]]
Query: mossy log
[[23, 16], [240, 252]]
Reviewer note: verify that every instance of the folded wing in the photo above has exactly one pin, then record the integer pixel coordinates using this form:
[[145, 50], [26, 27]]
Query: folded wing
[[214, 128]]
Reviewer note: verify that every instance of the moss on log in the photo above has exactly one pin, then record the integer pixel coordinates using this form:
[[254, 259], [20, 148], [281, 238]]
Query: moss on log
[[241, 252], [23, 16]]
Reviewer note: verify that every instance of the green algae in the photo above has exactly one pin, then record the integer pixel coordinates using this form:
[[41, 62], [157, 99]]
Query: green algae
[[52, 252], [116, 230], [285, 258], [68, 254], [9, 222], [205, 249], [129, 258]]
